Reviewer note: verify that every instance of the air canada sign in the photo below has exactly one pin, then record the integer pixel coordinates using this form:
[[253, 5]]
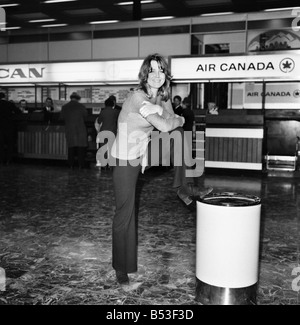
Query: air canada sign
[[282, 66], [236, 66], [89, 71], [21, 73]]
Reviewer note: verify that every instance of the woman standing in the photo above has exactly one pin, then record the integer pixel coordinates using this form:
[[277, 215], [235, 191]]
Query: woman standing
[[146, 108]]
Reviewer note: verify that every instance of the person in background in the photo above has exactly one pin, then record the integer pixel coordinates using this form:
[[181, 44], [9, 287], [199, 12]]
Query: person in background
[[48, 109], [24, 106], [188, 115], [145, 109], [177, 105], [74, 115], [107, 121], [8, 111], [212, 108], [114, 99]]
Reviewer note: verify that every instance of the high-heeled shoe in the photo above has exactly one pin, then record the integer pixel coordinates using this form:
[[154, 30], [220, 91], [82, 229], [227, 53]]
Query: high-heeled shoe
[[122, 277], [191, 192], [199, 192]]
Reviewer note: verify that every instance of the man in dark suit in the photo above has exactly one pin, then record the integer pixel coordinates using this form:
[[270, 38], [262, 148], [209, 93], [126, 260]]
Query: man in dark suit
[[48, 109], [23, 105], [188, 115], [74, 115], [108, 121], [114, 99], [48, 105], [8, 111], [177, 105]]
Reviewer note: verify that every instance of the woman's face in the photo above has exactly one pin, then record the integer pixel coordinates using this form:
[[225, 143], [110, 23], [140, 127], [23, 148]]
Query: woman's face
[[156, 75]]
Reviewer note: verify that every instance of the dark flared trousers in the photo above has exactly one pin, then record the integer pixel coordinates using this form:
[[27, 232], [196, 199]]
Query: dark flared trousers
[[80, 152], [124, 236], [124, 252], [7, 142]]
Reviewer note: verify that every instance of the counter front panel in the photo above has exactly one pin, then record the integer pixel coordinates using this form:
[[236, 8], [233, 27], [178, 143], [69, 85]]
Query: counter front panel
[[234, 148], [234, 140], [43, 142], [37, 138]]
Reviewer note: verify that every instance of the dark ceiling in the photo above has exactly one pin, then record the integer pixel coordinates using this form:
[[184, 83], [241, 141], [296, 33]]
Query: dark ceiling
[[82, 12]]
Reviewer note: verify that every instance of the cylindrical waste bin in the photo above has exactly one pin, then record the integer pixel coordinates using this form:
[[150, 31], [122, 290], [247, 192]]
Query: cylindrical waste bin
[[227, 249]]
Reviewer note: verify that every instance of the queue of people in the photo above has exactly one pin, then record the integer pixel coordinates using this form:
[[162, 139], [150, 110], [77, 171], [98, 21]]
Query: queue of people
[[73, 114]]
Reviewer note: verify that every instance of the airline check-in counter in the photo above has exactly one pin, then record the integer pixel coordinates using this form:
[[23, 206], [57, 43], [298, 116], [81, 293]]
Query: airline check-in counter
[[258, 100], [42, 135]]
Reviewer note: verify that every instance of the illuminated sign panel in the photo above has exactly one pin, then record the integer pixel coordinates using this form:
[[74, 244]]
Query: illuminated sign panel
[[272, 66], [104, 71]]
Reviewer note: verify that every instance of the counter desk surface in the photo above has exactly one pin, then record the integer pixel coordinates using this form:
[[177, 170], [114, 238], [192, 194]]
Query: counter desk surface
[[234, 139], [43, 136], [41, 117]]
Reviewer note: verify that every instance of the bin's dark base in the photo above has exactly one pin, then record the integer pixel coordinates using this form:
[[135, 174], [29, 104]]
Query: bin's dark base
[[207, 294]]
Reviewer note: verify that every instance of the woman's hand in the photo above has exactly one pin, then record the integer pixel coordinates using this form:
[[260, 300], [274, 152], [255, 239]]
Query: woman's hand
[[182, 119], [161, 123], [214, 111], [148, 109]]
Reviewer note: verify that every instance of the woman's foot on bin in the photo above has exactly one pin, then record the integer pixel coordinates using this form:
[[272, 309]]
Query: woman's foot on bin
[[192, 192], [199, 192]]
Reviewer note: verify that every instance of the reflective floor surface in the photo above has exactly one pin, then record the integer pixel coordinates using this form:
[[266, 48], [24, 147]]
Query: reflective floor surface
[[55, 237]]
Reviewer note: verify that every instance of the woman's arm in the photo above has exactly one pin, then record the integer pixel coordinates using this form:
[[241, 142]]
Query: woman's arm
[[168, 109], [159, 118], [165, 124]]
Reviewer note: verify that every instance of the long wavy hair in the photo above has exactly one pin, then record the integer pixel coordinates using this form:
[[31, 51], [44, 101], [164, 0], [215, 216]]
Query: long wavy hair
[[164, 90]]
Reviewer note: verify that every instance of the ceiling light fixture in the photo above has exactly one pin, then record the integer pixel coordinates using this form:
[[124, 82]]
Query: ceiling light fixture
[[103, 22], [129, 3], [55, 25], [11, 28], [282, 9], [9, 5], [158, 18], [218, 14], [57, 1], [41, 20]]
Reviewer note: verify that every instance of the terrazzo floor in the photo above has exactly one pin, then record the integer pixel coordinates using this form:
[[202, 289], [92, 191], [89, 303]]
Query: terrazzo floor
[[55, 237]]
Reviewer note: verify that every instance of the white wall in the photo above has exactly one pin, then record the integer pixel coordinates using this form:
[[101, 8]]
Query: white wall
[[70, 50], [27, 52], [3, 53], [237, 91], [178, 44], [98, 49], [115, 48]]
